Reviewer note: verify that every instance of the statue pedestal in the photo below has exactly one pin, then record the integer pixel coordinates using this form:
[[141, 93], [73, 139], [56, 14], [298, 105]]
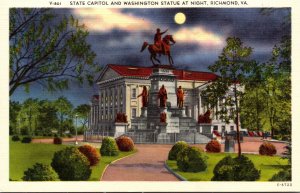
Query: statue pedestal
[[120, 129], [144, 112], [182, 112]]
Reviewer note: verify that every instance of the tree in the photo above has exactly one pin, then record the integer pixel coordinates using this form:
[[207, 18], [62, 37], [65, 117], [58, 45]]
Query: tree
[[14, 123], [48, 49], [253, 102], [28, 115], [83, 111], [232, 66], [47, 119], [64, 109]]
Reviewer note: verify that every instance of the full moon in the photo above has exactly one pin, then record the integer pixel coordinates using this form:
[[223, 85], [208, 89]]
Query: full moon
[[179, 18]]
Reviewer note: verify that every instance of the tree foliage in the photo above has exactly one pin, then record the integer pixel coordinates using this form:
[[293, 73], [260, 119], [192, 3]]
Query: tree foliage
[[41, 117], [224, 94], [82, 111], [48, 49], [64, 110], [267, 100]]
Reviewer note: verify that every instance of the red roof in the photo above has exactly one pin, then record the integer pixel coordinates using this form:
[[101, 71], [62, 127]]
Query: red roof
[[139, 71]]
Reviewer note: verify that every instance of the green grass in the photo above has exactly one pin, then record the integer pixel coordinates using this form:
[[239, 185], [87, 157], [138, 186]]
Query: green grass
[[23, 156], [267, 164]]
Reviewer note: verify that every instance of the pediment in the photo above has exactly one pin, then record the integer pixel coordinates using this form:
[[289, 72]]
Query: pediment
[[108, 74]]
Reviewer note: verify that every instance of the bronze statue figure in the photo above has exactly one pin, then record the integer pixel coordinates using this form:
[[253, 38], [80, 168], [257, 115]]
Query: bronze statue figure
[[180, 97], [163, 96], [144, 96]]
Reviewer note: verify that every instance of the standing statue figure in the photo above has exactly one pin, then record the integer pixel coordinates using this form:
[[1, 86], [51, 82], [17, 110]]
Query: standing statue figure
[[163, 96], [157, 40], [144, 96], [180, 97]]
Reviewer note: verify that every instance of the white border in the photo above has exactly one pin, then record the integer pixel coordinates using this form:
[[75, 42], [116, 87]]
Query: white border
[[5, 185]]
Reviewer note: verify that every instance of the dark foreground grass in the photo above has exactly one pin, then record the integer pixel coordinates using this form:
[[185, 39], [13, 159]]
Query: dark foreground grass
[[23, 156], [267, 164]]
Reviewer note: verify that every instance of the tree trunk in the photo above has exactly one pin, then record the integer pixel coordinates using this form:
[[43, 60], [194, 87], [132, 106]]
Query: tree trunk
[[237, 121]]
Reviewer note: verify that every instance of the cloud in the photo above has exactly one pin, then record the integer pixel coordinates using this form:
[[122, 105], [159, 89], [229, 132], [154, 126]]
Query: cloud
[[104, 20], [199, 35]]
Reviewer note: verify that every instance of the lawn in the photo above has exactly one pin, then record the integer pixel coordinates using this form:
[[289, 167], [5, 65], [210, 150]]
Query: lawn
[[268, 166], [22, 156]]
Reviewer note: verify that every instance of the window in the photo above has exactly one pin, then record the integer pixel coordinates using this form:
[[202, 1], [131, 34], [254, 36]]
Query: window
[[133, 113], [231, 128], [215, 128], [133, 93], [223, 128]]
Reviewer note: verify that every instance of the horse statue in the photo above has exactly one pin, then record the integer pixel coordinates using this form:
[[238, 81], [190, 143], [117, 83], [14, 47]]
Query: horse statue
[[164, 49]]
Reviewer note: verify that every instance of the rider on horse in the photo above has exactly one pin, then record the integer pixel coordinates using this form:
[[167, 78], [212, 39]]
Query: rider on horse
[[157, 39]]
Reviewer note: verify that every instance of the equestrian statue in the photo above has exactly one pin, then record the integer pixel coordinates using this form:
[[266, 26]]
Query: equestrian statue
[[160, 46]]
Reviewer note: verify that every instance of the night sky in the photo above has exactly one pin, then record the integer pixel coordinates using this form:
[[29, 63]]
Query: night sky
[[116, 36]]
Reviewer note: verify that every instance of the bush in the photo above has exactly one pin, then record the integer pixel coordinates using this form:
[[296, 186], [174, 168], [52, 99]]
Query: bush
[[40, 172], [235, 169], [267, 149], [125, 143], [177, 147], [213, 146], [26, 139], [69, 135], [109, 147], [57, 140], [191, 159], [15, 138], [91, 153], [284, 175], [71, 165]]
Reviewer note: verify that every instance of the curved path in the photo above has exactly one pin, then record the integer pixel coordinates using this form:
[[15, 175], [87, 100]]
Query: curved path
[[145, 165], [148, 163]]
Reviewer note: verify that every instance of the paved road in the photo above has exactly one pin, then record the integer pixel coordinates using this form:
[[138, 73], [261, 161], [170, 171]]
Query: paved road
[[145, 165]]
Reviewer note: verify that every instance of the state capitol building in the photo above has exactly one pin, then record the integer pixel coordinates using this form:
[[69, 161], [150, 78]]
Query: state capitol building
[[120, 85]]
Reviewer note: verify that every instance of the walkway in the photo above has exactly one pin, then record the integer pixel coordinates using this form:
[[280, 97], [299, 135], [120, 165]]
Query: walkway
[[145, 165], [148, 163]]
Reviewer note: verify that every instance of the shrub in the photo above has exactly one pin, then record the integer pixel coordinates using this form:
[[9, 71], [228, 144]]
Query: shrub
[[26, 139], [191, 159], [57, 140], [69, 135], [284, 175], [267, 149], [91, 153], [125, 143], [15, 138], [40, 172], [109, 147], [71, 165], [235, 169], [177, 147], [213, 146]]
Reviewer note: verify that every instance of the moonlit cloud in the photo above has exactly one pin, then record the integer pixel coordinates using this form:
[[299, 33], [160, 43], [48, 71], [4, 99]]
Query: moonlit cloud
[[104, 20], [199, 35]]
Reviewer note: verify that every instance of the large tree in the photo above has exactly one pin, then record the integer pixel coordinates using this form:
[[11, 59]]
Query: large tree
[[49, 49], [225, 93]]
